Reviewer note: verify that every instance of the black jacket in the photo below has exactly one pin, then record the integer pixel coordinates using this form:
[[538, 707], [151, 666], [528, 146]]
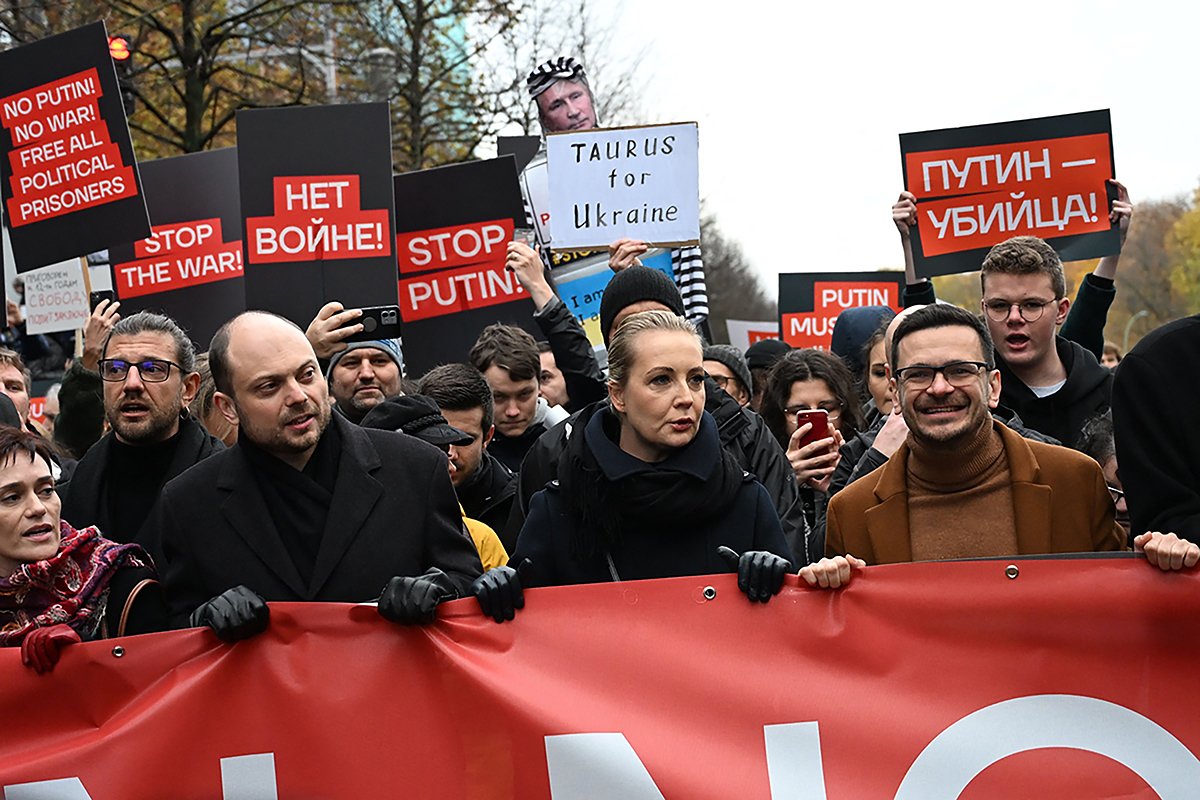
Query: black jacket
[[393, 513], [573, 355], [511, 450], [488, 495], [1158, 436], [749, 522], [742, 432], [85, 495], [1061, 415]]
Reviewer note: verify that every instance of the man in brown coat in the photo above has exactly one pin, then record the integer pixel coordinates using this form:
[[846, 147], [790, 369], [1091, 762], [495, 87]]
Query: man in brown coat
[[963, 486]]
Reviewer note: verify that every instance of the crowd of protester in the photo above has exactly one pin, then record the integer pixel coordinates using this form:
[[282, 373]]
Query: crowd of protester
[[180, 489]]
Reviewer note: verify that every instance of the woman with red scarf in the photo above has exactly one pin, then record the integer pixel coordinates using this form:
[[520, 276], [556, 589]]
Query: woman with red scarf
[[59, 585]]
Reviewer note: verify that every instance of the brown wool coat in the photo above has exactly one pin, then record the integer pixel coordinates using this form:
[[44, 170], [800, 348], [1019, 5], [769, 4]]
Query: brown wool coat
[[1060, 503]]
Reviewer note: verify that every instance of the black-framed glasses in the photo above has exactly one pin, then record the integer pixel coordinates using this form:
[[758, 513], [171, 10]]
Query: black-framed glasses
[[723, 380], [1030, 310], [1116, 493], [151, 370], [956, 373], [834, 410]]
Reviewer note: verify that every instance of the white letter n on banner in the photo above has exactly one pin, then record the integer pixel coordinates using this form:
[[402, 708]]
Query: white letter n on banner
[[586, 765]]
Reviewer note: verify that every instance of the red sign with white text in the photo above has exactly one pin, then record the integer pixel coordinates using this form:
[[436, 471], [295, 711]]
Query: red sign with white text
[[177, 255], [317, 217], [829, 299], [917, 682]]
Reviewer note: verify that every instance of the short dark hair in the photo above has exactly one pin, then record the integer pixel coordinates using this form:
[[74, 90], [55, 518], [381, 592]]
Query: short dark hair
[[17, 440], [507, 347], [149, 322], [941, 315], [1096, 438], [218, 350], [806, 365], [1025, 255], [459, 387]]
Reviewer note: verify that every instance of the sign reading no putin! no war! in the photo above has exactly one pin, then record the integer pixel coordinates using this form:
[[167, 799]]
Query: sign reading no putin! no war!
[[638, 183], [317, 208], [979, 185], [71, 183]]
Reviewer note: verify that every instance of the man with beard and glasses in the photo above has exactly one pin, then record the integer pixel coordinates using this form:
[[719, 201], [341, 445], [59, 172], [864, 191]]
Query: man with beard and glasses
[[964, 485], [306, 506], [148, 376]]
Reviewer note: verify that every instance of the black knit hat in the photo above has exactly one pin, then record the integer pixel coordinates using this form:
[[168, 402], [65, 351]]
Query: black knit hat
[[765, 352], [731, 357], [634, 285], [417, 416]]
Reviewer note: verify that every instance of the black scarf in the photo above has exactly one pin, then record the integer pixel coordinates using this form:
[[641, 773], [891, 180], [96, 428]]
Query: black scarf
[[657, 496], [298, 500]]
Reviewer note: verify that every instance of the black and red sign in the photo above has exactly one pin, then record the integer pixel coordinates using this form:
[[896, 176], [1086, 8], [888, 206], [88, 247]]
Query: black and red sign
[[979, 185], [190, 267], [453, 226], [316, 192], [71, 180], [810, 302]]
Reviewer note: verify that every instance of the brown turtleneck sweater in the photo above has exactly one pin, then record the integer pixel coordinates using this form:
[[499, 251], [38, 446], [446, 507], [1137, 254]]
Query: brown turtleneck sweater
[[960, 502]]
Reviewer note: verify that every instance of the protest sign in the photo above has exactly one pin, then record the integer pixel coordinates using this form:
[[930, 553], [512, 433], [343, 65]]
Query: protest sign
[[979, 185], [809, 302], [611, 183], [453, 226], [743, 333], [522, 148], [316, 197], [581, 284], [56, 298], [190, 267], [926, 681], [71, 178]]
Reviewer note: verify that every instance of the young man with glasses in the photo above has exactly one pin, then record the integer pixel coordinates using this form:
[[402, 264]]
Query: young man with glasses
[[964, 485], [147, 372]]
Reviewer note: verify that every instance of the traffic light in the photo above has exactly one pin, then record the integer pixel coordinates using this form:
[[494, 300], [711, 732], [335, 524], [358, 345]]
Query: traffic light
[[122, 55]]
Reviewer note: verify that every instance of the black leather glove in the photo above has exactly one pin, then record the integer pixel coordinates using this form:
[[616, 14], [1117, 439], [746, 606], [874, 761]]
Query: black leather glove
[[235, 614], [760, 573], [499, 591], [414, 601]]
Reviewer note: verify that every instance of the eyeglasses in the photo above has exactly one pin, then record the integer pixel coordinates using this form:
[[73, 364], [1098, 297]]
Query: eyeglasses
[[956, 373], [722, 380], [1030, 310], [1116, 493], [834, 410], [152, 370]]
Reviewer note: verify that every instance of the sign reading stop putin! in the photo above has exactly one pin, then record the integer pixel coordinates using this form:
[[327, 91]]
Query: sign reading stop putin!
[[453, 226], [71, 181]]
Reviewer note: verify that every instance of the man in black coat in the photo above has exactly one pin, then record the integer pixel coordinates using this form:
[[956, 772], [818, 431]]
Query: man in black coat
[[147, 371], [306, 506]]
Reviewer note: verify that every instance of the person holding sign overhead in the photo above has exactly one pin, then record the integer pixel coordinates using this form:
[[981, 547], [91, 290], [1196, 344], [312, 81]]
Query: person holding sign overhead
[[565, 102]]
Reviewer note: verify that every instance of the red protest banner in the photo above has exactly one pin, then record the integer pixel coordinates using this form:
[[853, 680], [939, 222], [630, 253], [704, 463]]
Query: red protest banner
[[809, 303], [454, 246], [437, 294], [918, 682]]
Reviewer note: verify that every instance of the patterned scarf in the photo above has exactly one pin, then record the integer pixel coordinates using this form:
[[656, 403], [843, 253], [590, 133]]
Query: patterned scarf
[[71, 586]]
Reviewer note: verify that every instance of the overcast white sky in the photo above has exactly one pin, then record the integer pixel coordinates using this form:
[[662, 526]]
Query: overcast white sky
[[800, 104]]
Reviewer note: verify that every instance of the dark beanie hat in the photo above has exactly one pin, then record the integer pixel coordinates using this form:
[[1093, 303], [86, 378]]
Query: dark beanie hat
[[853, 328], [731, 357], [765, 352], [633, 285]]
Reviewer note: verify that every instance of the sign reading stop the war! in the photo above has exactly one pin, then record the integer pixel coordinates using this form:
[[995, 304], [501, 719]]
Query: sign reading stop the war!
[[190, 267], [453, 226], [979, 185], [71, 181], [810, 302]]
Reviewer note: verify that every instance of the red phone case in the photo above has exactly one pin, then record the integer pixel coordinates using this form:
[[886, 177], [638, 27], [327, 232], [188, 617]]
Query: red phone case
[[820, 425]]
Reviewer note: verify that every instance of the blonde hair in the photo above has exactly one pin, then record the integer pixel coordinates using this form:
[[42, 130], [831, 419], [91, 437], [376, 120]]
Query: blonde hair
[[621, 353]]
